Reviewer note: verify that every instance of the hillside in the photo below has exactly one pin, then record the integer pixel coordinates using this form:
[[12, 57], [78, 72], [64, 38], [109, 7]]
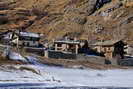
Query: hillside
[[86, 19]]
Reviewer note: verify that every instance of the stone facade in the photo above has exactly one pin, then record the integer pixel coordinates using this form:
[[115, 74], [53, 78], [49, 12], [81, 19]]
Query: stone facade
[[109, 48], [69, 46]]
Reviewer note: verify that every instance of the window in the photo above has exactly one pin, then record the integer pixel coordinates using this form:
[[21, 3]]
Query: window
[[59, 45]]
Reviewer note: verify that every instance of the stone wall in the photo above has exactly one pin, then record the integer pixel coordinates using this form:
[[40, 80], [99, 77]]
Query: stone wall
[[61, 55]]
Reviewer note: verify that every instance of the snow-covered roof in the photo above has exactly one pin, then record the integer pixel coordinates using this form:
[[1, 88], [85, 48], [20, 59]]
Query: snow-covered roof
[[29, 34], [67, 42]]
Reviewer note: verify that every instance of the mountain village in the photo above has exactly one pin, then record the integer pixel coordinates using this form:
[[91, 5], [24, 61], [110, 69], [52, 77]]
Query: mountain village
[[110, 52], [66, 44]]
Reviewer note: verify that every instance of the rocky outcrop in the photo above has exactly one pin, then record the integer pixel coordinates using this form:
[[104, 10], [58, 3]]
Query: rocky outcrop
[[100, 3], [87, 7]]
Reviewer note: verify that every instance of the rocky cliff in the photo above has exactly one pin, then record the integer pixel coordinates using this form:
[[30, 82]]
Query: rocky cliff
[[86, 19]]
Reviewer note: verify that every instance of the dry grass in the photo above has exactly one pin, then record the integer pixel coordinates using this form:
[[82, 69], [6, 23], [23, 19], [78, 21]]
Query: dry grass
[[60, 19]]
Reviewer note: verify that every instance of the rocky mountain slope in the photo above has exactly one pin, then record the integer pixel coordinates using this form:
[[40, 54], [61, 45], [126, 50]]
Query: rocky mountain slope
[[86, 19]]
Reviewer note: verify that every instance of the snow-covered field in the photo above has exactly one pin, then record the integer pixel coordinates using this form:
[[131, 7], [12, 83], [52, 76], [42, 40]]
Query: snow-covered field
[[57, 76]]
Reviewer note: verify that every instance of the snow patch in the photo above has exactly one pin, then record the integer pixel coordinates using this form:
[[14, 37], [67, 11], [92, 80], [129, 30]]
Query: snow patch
[[16, 56]]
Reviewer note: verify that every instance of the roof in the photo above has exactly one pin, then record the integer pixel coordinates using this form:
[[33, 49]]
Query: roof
[[106, 43], [67, 42], [29, 34]]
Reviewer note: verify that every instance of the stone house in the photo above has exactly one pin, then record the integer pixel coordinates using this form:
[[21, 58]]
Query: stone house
[[28, 39], [110, 49], [69, 46], [66, 48]]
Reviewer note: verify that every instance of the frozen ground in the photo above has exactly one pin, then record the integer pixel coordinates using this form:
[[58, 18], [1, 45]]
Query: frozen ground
[[55, 76], [48, 76]]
